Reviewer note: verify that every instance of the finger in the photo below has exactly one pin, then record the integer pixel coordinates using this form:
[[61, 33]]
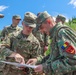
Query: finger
[[18, 60], [22, 61], [28, 62]]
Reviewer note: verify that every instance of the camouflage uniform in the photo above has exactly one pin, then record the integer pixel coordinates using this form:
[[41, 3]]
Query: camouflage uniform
[[43, 39], [10, 31], [27, 46], [39, 36], [60, 19], [62, 59]]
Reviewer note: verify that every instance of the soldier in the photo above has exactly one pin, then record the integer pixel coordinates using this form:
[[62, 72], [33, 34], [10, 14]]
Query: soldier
[[61, 60], [60, 19], [39, 36], [42, 37], [22, 47], [13, 29]]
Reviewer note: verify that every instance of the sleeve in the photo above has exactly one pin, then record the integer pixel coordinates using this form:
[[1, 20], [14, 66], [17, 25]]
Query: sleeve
[[39, 52], [5, 48], [66, 62], [5, 52], [41, 59], [4, 32], [38, 48]]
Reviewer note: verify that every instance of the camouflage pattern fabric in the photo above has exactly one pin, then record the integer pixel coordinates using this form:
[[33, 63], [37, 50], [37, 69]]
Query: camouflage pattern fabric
[[41, 37], [27, 46], [10, 31], [38, 35], [62, 58]]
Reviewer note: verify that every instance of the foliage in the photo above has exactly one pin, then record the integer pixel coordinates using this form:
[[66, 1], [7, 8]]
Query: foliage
[[72, 23]]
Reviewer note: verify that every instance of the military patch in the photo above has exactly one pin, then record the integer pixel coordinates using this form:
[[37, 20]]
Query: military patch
[[68, 48], [63, 47]]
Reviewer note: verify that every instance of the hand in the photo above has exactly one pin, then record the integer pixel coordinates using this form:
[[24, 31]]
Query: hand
[[18, 57], [39, 69], [32, 61]]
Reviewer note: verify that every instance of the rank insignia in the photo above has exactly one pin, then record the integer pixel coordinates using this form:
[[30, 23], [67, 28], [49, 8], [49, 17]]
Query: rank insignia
[[68, 48]]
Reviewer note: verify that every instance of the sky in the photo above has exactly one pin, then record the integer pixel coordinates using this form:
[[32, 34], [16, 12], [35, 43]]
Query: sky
[[20, 7]]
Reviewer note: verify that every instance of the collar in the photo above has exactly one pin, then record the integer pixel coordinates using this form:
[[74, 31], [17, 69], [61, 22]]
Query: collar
[[14, 27]]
